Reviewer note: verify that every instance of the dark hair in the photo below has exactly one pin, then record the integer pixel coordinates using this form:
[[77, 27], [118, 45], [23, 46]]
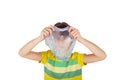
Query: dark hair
[[61, 25]]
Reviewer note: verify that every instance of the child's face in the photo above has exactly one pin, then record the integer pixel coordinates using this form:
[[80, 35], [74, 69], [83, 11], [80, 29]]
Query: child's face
[[63, 44]]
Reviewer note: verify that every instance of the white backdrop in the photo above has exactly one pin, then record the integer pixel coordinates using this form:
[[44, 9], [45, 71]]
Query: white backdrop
[[22, 21]]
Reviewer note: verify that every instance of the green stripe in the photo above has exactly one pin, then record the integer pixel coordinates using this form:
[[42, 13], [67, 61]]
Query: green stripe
[[62, 63], [63, 75]]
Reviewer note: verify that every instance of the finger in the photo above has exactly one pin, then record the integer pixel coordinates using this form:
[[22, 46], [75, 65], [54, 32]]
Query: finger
[[52, 27], [49, 30], [76, 36], [44, 35], [46, 32], [71, 35], [71, 29], [74, 31]]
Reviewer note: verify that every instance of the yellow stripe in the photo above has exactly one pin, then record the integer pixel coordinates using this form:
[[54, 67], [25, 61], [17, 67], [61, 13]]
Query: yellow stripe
[[47, 77], [80, 58], [74, 78], [62, 69]]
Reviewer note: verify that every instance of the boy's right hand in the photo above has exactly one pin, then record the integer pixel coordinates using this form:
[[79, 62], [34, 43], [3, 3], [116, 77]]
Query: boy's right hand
[[46, 32]]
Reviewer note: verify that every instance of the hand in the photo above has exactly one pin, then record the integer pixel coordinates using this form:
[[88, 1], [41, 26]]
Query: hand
[[74, 33], [46, 32]]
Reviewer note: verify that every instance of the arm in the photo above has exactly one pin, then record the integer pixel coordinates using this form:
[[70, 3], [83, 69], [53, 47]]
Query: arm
[[26, 50], [97, 53]]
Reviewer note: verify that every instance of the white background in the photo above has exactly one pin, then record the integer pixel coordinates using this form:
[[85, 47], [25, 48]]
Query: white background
[[23, 20]]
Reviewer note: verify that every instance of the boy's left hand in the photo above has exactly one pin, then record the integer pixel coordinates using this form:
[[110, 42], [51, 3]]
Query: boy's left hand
[[74, 33]]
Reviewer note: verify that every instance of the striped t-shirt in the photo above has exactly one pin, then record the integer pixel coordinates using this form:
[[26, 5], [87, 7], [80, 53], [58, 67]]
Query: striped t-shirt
[[55, 69]]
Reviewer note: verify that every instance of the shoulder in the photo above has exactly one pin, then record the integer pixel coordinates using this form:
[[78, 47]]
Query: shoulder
[[77, 54], [45, 55], [79, 57]]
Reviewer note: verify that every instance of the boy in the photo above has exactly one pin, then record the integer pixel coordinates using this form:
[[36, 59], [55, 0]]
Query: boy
[[57, 67]]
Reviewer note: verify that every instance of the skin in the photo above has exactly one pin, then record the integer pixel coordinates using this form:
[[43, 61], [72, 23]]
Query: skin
[[97, 53]]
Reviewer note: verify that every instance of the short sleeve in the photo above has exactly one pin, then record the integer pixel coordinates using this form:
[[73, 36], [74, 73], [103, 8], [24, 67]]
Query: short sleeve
[[44, 57], [80, 58]]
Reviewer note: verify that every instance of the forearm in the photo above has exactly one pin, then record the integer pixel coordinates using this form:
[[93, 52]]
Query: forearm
[[92, 47], [29, 46]]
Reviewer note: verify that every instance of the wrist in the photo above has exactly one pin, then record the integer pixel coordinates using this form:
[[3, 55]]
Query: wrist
[[80, 39], [40, 38]]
